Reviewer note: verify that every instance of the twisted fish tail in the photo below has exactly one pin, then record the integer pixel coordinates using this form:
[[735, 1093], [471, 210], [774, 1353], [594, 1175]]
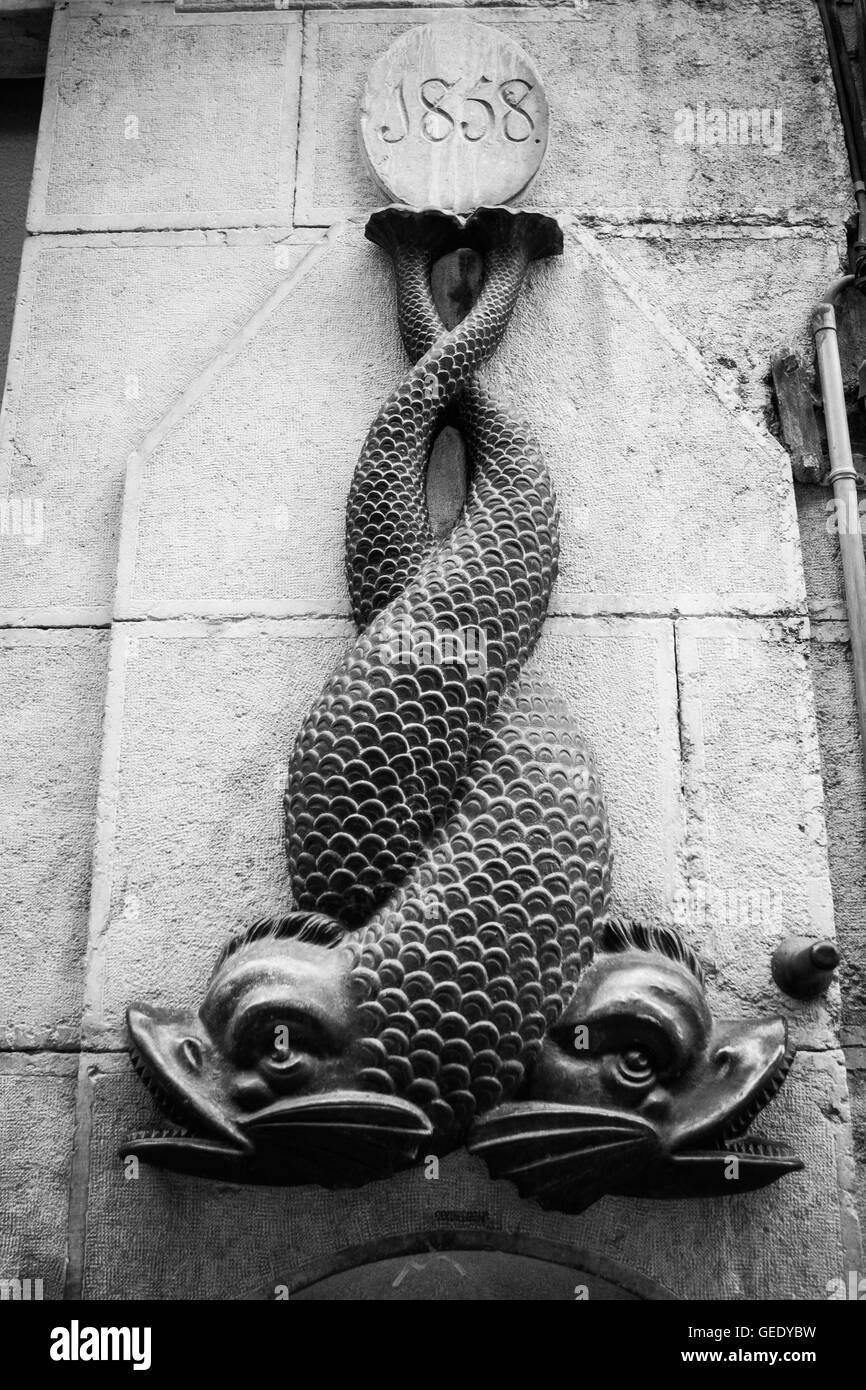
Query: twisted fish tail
[[388, 530], [377, 762]]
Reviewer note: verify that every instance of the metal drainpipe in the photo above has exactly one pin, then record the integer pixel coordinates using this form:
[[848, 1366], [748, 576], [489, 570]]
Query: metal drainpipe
[[844, 480]]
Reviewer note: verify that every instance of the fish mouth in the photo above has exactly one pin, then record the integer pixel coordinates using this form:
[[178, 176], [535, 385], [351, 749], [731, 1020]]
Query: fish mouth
[[734, 1135], [730, 1159], [333, 1138], [198, 1136]]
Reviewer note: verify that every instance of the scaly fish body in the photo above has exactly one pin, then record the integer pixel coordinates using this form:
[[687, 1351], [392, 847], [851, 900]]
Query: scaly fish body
[[476, 955]]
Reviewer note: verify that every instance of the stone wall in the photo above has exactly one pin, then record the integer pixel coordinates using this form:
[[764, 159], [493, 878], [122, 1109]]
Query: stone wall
[[201, 339]]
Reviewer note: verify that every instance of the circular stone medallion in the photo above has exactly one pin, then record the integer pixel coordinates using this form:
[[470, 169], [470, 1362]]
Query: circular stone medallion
[[454, 116]]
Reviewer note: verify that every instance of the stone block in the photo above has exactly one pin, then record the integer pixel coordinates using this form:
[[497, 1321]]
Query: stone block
[[239, 505], [193, 1238], [738, 294], [51, 714], [756, 843], [640, 440], [673, 498], [619, 678], [620, 149], [156, 119], [37, 1116], [199, 727], [109, 331]]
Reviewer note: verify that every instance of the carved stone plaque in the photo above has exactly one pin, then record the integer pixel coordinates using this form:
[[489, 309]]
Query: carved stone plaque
[[454, 116]]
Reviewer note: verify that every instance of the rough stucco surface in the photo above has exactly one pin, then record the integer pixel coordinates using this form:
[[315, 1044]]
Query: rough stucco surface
[[736, 294], [136, 133], [639, 357], [845, 798], [37, 1111], [159, 1235], [52, 690], [857, 1089], [821, 562], [612, 149]]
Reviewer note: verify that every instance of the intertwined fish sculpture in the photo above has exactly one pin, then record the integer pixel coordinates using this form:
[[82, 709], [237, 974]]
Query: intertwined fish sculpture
[[452, 973]]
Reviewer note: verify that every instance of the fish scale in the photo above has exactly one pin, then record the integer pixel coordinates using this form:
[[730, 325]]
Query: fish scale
[[450, 817], [481, 947]]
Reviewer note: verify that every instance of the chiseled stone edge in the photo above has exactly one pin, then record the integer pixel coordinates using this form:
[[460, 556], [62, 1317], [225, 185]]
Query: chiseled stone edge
[[756, 435], [125, 606], [100, 615]]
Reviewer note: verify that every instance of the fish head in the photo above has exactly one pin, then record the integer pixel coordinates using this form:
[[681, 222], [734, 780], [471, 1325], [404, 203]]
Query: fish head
[[638, 1040], [260, 1078]]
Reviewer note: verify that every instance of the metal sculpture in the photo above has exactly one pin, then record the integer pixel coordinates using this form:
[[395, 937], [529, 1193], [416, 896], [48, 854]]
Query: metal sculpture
[[452, 973]]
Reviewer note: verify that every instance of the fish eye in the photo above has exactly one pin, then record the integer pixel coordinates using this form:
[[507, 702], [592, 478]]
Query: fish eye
[[266, 1039], [281, 1052], [632, 1065], [279, 1038], [281, 1042], [636, 1066], [280, 1049]]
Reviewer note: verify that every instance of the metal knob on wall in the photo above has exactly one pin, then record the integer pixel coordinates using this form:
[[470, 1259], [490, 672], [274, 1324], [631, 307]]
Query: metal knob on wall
[[803, 967]]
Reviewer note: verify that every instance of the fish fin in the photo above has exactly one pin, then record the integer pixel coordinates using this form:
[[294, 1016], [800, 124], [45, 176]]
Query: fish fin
[[717, 1172], [187, 1153], [564, 1156], [338, 1138]]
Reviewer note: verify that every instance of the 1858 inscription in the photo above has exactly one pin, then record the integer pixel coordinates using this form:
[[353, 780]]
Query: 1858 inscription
[[454, 113], [436, 122]]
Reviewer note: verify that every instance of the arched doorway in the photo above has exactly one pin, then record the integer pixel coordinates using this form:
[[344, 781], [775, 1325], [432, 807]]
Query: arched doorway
[[470, 1265]]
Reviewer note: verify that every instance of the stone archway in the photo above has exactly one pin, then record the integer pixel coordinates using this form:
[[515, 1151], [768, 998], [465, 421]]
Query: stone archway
[[470, 1265]]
